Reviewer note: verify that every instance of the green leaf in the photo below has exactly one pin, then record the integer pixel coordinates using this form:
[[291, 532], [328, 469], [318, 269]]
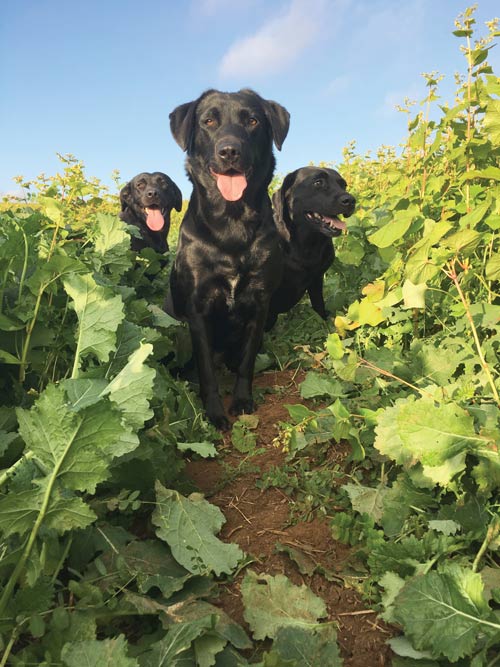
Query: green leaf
[[394, 230], [99, 314], [78, 446], [132, 389], [321, 384], [445, 612], [105, 653], [203, 449], [367, 500], [308, 647], [111, 245], [168, 652], [492, 268], [491, 122], [189, 525], [334, 346], [437, 436], [414, 295], [274, 602]]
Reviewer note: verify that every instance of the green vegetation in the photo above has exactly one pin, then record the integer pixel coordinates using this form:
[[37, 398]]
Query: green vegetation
[[108, 558]]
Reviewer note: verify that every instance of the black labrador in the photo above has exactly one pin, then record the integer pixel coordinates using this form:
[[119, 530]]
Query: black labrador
[[228, 260], [146, 202], [306, 210]]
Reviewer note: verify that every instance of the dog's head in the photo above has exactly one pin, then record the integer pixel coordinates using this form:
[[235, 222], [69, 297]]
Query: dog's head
[[314, 197], [228, 138], [150, 198]]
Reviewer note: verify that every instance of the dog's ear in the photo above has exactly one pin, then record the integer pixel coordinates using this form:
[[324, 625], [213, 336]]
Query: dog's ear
[[177, 197], [126, 196], [280, 206], [182, 124], [279, 120]]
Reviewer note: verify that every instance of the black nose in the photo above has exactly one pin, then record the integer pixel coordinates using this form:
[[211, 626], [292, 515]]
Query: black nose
[[347, 200], [229, 150], [151, 193]]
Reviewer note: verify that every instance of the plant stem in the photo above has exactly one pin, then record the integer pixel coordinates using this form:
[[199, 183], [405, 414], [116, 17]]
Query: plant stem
[[9, 646], [12, 470], [7, 592], [29, 331], [451, 273], [492, 533]]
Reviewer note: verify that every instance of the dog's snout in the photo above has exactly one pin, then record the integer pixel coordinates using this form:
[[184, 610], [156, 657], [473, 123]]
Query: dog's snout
[[229, 150], [347, 200], [151, 193]]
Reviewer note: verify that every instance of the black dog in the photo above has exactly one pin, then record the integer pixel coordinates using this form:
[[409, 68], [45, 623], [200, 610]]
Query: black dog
[[229, 260], [146, 203], [305, 212]]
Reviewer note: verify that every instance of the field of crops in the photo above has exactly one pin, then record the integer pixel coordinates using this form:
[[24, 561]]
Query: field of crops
[[378, 430]]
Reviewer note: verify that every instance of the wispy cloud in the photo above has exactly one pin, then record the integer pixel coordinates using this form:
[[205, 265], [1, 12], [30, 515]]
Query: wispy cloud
[[213, 7], [277, 43]]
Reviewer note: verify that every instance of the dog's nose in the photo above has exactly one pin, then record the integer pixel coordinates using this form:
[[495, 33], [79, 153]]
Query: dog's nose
[[151, 193], [347, 200], [229, 151]]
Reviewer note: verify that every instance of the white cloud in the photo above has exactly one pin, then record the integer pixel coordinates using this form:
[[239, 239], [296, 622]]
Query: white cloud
[[277, 43]]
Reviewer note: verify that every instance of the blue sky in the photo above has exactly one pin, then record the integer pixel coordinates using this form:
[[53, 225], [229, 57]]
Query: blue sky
[[98, 78]]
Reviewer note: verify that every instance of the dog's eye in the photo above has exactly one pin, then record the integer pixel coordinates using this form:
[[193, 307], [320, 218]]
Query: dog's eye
[[209, 122], [253, 121], [141, 184], [318, 183]]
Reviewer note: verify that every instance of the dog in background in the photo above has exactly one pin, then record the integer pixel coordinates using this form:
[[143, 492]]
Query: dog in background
[[229, 260], [306, 210], [146, 202]]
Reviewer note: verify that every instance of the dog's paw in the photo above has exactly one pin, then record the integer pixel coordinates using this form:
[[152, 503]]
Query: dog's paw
[[242, 406], [221, 422], [215, 413]]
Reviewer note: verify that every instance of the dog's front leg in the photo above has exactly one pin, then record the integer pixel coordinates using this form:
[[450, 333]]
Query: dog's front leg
[[315, 291], [203, 354], [242, 402]]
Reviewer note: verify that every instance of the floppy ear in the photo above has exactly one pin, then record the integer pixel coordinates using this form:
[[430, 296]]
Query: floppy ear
[[279, 119], [182, 124], [126, 196], [280, 206], [177, 197]]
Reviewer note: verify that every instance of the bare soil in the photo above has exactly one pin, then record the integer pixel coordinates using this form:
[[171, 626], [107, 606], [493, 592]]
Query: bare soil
[[257, 520]]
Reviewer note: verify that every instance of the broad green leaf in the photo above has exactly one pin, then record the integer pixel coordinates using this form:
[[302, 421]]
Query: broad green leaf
[[462, 242], [308, 647], [99, 314], [206, 648], [414, 295], [274, 602], [83, 392], [334, 346], [320, 384], [394, 230], [492, 268], [491, 122], [189, 525], [105, 653], [367, 500], [445, 612], [76, 446], [168, 651], [420, 431], [203, 449], [132, 389], [111, 245]]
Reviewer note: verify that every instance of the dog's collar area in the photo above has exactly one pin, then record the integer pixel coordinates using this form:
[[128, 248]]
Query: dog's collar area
[[327, 224]]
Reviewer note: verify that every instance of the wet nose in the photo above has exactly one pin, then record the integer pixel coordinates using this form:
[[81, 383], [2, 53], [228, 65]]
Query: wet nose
[[229, 151], [151, 193], [347, 200]]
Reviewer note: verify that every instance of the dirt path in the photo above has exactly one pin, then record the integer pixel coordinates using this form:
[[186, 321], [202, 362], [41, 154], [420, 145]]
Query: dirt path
[[258, 520]]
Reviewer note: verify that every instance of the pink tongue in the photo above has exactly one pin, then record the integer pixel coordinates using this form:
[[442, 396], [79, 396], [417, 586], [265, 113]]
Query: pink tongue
[[335, 222], [154, 219], [231, 187]]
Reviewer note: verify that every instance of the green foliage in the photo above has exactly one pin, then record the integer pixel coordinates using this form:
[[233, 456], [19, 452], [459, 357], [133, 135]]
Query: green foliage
[[407, 373]]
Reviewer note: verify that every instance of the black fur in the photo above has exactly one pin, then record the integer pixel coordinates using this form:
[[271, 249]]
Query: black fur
[[305, 207], [154, 191], [229, 260]]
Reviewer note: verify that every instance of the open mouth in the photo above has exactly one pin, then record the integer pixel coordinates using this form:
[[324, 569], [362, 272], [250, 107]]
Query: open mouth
[[154, 218], [231, 184], [330, 226]]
